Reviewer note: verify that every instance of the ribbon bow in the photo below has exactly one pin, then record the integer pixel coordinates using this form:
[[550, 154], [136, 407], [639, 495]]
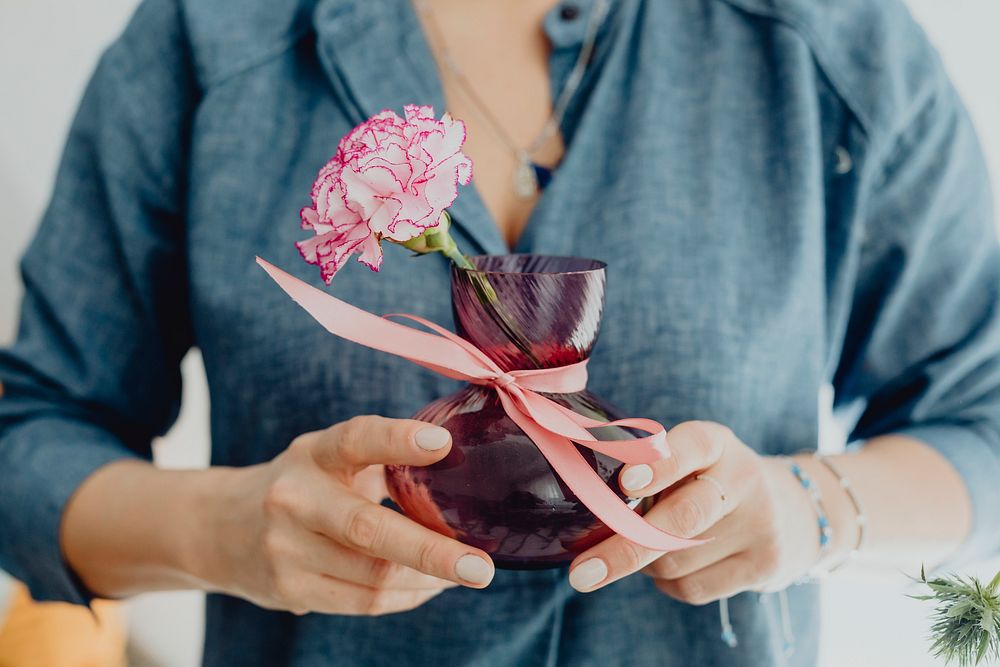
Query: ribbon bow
[[552, 427]]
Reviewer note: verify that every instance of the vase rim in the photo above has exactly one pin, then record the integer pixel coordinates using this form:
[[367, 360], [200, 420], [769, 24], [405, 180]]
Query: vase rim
[[587, 265]]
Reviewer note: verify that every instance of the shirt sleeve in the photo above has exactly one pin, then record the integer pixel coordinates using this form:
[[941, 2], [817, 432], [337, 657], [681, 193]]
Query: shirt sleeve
[[94, 374], [922, 348]]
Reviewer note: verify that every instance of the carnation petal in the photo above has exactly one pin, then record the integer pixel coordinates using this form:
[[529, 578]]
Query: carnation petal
[[383, 217], [390, 178], [310, 220], [331, 207], [441, 189], [406, 230], [464, 170], [416, 212], [448, 142], [341, 216], [366, 188], [332, 249], [394, 158], [415, 111], [371, 253]]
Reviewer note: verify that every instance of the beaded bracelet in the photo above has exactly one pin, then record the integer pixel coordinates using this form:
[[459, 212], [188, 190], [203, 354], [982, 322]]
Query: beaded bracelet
[[825, 530], [861, 519]]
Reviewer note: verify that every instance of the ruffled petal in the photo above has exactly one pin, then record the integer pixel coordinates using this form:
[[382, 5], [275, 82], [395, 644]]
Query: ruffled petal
[[332, 249], [310, 220], [367, 187], [441, 188], [383, 217], [371, 253], [414, 111], [332, 209], [413, 216], [447, 141], [391, 178], [394, 158]]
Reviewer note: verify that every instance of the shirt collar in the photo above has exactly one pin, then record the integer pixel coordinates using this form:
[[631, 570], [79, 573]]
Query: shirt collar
[[566, 23], [376, 57]]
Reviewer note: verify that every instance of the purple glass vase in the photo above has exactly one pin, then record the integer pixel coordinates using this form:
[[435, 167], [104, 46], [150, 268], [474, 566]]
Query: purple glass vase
[[495, 490]]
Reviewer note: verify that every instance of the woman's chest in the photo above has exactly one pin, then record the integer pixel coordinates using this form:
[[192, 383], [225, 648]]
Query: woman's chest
[[712, 225], [492, 60]]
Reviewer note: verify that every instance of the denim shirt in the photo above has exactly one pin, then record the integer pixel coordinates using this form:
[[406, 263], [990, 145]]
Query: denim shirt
[[787, 193]]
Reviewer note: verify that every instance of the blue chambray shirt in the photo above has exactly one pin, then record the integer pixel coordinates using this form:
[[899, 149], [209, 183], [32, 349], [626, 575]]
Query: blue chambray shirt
[[787, 192]]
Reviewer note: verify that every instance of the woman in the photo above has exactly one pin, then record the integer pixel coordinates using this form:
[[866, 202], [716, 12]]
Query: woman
[[787, 193]]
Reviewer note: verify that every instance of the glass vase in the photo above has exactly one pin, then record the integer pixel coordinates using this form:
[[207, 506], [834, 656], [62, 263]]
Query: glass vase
[[494, 490]]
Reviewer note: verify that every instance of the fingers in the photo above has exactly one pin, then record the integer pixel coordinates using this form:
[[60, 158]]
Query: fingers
[[697, 505], [380, 532], [726, 578], [677, 564], [320, 555], [612, 559], [362, 527], [370, 483], [334, 596], [688, 511], [369, 440], [694, 446]]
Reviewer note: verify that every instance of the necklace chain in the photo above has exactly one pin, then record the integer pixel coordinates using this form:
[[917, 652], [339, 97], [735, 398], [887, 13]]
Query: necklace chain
[[525, 179]]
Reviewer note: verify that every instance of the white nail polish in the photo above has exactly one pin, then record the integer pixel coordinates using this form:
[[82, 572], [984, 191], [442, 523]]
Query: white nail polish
[[637, 477], [588, 574], [474, 570], [432, 438]]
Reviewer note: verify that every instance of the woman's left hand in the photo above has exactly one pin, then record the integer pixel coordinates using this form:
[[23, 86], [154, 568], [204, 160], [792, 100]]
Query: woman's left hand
[[763, 533]]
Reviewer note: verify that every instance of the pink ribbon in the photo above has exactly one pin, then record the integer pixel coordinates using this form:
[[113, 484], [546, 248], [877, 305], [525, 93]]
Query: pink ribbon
[[552, 427]]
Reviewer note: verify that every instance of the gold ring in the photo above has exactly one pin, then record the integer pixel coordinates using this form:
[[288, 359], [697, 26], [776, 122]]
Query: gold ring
[[715, 483]]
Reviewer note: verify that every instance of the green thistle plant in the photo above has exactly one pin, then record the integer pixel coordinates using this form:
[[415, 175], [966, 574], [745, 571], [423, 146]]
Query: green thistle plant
[[966, 621]]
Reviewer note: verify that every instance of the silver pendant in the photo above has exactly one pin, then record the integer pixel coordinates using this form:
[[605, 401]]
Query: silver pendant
[[525, 180]]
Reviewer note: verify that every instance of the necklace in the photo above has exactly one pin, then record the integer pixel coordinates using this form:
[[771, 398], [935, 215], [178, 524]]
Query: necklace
[[529, 177]]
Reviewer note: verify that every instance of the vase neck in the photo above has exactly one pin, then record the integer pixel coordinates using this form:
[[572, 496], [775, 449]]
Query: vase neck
[[530, 311]]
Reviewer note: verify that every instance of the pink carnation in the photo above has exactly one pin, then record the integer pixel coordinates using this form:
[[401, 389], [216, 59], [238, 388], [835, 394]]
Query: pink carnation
[[390, 179]]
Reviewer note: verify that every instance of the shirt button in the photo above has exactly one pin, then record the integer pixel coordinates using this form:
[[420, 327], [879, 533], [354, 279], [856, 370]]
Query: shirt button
[[844, 161], [569, 12]]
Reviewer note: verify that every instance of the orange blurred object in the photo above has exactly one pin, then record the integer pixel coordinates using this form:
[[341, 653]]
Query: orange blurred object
[[55, 634]]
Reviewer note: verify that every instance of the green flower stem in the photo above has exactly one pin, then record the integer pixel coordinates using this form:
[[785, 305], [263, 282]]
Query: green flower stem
[[439, 239], [456, 256]]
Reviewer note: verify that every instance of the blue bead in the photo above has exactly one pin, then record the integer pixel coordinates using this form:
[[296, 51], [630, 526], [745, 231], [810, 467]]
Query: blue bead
[[805, 483], [824, 539], [822, 522], [729, 637]]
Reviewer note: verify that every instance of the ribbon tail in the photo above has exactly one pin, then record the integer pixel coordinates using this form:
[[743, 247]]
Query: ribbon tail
[[436, 352], [562, 421], [592, 491]]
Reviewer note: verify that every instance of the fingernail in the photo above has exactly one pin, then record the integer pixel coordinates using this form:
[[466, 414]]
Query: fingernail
[[637, 477], [474, 570], [588, 574], [432, 438]]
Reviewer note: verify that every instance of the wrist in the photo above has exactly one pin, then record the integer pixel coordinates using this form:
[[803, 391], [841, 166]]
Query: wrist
[[840, 512], [207, 528], [132, 528]]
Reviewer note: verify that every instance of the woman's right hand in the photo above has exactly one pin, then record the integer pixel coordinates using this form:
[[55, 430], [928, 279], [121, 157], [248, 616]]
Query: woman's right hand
[[299, 534]]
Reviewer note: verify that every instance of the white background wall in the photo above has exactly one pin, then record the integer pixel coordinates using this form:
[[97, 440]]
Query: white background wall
[[47, 52]]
